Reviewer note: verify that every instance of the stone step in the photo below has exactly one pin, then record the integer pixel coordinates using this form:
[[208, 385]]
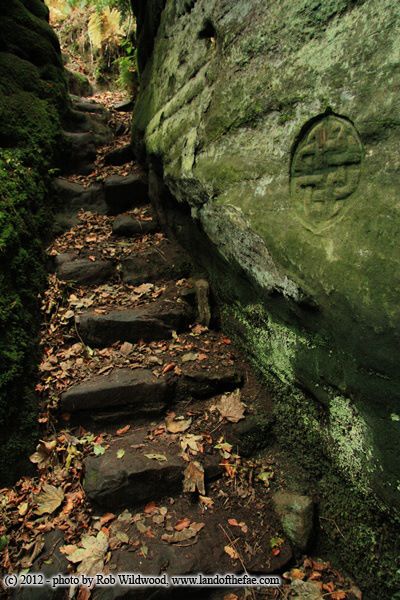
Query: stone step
[[203, 553], [85, 272], [166, 261], [147, 470], [196, 382], [119, 156], [155, 321], [128, 225], [122, 193], [135, 395], [70, 196], [135, 389], [81, 151], [124, 105]]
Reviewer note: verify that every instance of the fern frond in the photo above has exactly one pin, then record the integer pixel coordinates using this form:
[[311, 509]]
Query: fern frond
[[95, 30]]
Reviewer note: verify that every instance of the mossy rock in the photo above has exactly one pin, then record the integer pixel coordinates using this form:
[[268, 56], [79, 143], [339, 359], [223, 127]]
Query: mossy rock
[[33, 102]]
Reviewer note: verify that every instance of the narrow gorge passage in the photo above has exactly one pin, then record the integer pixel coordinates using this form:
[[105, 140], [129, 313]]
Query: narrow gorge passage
[[158, 453]]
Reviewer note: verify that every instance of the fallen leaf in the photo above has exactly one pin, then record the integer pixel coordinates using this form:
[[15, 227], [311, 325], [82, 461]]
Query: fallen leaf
[[106, 518], [159, 457], [126, 348], [231, 407], [182, 524], [185, 534], [168, 367], [144, 550], [90, 555], [231, 597], [206, 500], [121, 453], [338, 595], [189, 356], [231, 552], [144, 288], [23, 509], [122, 537], [49, 499], [194, 478], [150, 508], [43, 453], [98, 450], [296, 574], [192, 442], [177, 425], [235, 523], [123, 430]]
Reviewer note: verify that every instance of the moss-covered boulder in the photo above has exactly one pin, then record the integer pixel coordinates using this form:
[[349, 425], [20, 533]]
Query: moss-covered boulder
[[33, 102], [274, 125]]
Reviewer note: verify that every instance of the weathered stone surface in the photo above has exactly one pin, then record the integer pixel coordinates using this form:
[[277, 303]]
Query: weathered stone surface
[[148, 470], [50, 562], [119, 156], [112, 483], [125, 192], [70, 197], [275, 135], [78, 84], [166, 261], [137, 389], [124, 106], [89, 106], [81, 151], [297, 516], [126, 225], [205, 555], [85, 271], [155, 321], [66, 190], [197, 382]]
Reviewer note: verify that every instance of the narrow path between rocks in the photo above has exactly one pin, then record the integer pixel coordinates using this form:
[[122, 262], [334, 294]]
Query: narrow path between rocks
[[150, 460]]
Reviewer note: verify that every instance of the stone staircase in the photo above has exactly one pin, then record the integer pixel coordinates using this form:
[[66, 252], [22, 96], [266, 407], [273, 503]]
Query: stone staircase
[[140, 475]]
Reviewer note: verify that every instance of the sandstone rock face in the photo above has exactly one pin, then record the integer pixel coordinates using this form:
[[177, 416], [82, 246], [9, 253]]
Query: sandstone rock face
[[273, 124]]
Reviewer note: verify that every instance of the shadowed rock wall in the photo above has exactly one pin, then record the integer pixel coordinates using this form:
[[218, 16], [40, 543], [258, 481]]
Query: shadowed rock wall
[[272, 131], [33, 98]]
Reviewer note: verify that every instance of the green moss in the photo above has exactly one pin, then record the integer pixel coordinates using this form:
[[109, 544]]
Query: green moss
[[32, 101], [24, 219]]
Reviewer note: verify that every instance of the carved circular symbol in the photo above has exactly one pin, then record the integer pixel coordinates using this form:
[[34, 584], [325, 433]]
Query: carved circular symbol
[[325, 171]]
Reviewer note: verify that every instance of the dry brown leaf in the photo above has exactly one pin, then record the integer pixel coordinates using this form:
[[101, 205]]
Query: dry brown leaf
[[90, 556], [107, 518], [123, 430], [206, 501], [231, 407], [49, 499], [126, 348], [174, 425], [236, 523], [231, 552], [150, 508], [185, 534], [194, 478], [182, 524]]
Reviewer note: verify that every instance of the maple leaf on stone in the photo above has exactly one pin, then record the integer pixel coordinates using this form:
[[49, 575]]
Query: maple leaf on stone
[[49, 499], [194, 478], [90, 555], [231, 407]]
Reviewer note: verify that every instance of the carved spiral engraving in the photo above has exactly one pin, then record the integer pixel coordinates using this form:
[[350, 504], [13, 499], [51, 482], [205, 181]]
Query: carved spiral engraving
[[325, 171]]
